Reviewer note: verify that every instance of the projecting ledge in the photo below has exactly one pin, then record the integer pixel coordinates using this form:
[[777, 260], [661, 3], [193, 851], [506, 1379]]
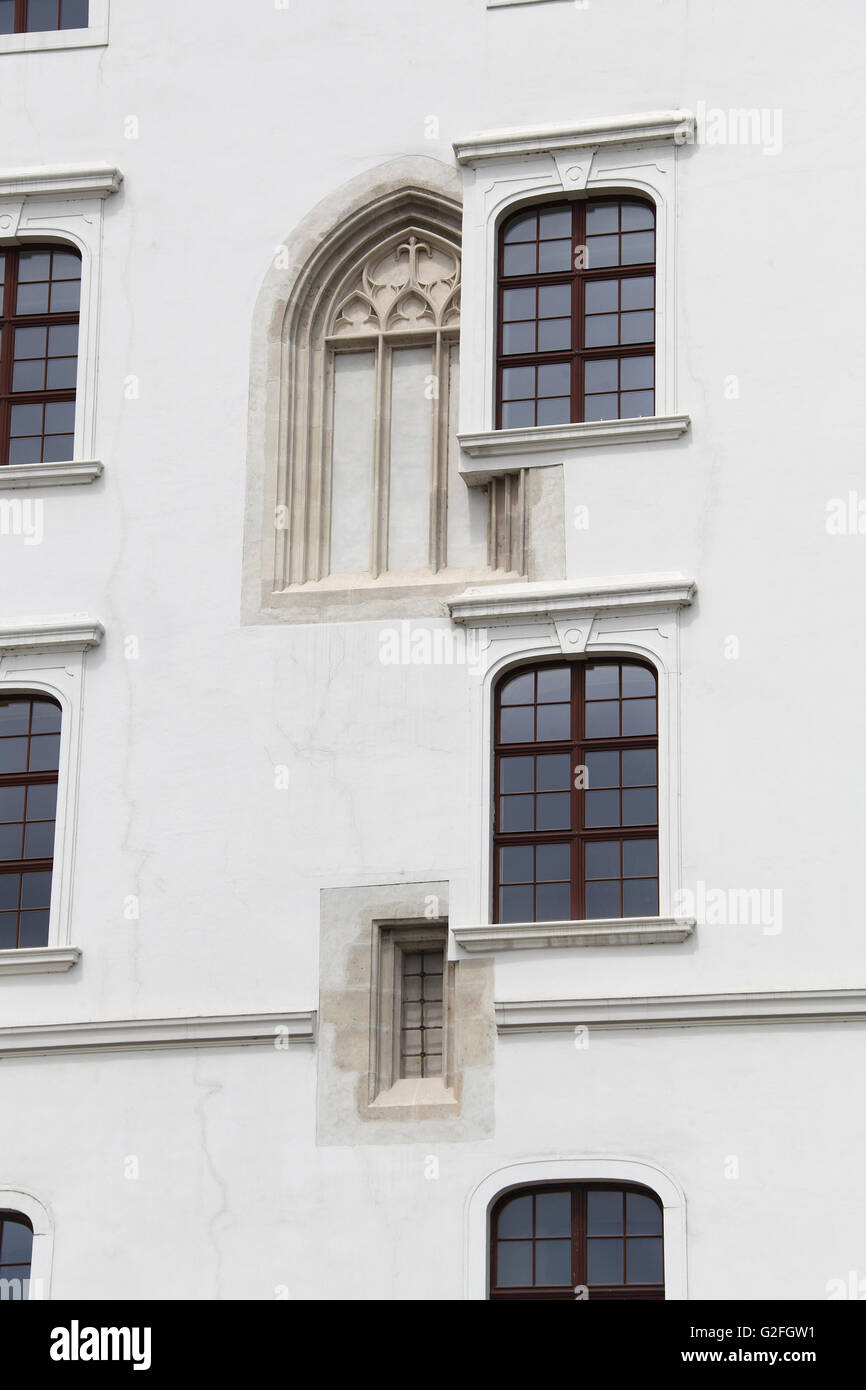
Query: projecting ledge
[[603, 931], [493, 453], [38, 960]]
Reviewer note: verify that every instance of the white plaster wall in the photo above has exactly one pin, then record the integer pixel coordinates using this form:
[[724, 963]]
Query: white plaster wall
[[243, 126]]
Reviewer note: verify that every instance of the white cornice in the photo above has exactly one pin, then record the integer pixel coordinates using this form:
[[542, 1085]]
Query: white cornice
[[569, 598], [38, 960], [149, 1034], [48, 474], [68, 634], [682, 1010], [648, 126], [611, 931], [492, 445], [61, 181]]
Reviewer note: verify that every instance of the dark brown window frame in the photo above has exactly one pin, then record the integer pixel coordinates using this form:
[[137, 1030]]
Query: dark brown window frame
[[576, 746], [578, 1286], [10, 322], [577, 278], [21, 21], [27, 779]]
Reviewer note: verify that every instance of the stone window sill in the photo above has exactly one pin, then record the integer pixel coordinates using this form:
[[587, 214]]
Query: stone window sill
[[38, 960], [489, 450], [49, 474], [413, 1092], [43, 41], [606, 931]]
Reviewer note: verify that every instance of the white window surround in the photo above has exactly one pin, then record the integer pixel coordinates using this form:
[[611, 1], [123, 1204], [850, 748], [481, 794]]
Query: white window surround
[[18, 1199], [94, 36], [47, 656], [509, 168], [63, 204], [586, 1168], [519, 623]]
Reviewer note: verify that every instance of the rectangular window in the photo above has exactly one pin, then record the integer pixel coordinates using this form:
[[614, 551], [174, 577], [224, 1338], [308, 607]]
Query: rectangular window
[[411, 1007], [42, 16]]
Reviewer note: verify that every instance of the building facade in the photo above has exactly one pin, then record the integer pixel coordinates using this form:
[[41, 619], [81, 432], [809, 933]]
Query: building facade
[[429, 519]]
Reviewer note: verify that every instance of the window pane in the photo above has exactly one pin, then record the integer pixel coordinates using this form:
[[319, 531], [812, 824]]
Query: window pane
[[514, 1264], [518, 415], [553, 902], [638, 716], [14, 716], [640, 897], [73, 14], [38, 840], [601, 808], [10, 885], [65, 296], [602, 296], [602, 719], [604, 1213], [638, 292], [554, 379], [10, 840], [11, 804], [41, 15], [553, 1262], [516, 725], [518, 382], [33, 929], [44, 753], [554, 255], [553, 811], [7, 16], [636, 216], [637, 327], [515, 864], [601, 375], [554, 301], [554, 684], [515, 904], [28, 376], [643, 1216], [639, 858], [519, 690], [602, 330], [602, 769], [57, 447], [602, 251], [8, 930], [518, 338], [601, 408], [515, 1218], [33, 265], [554, 411], [16, 1242], [13, 754], [601, 217], [46, 717], [604, 1261], [552, 862], [32, 299], [638, 247], [554, 335], [637, 680], [518, 304], [555, 224], [553, 1214], [520, 259], [638, 767], [602, 899], [523, 228], [639, 806], [602, 859], [554, 772], [515, 775], [554, 722], [515, 813], [645, 1263], [36, 889]]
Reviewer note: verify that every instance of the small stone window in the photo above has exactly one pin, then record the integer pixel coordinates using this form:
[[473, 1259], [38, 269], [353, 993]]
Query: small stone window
[[413, 988]]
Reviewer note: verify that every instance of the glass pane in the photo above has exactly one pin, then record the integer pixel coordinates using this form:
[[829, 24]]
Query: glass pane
[[638, 247], [16, 1276], [65, 296], [602, 769], [601, 808], [635, 403], [554, 772], [59, 417], [9, 889], [553, 811], [553, 1214], [554, 335], [517, 382], [552, 1263], [38, 840], [554, 301], [553, 902], [515, 904], [602, 719], [645, 1263], [520, 259], [61, 374], [638, 767], [57, 447], [33, 929], [601, 217], [602, 375], [639, 806], [13, 754], [519, 690], [554, 411], [26, 419], [7, 16], [515, 813], [29, 342], [602, 296], [640, 897], [28, 376], [638, 716], [41, 15], [515, 775], [518, 337], [602, 251], [636, 373], [514, 1264], [36, 889], [638, 292], [25, 450], [32, 299], [554, 722], [515, 1218], [602, 859], [552, 862], [554, 684], [554, 255], [604, 1261], [604, 1213], [602, 899], [602, 330], [554, 379], [8, 930], [637, 327], [643, 1216], [555, 224], [10, 840], [62, 339], [601, 408], [639, 858], [33, 265], [44, 753], [523, 228], [636, 216], [73, 15], [14, 716], [518, 415], [637, 680], [518, 304], [16, 1242], [516, 725], [515, 864], [11, 804]]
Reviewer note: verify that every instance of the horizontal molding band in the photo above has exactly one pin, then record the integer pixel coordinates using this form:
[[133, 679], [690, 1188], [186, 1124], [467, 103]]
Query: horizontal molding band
[[569, 598], [50, 635], [644, 126], [49, 474], [158, 1034], [38, 960], [62, 180], [611, 931], [682, 1011], [497, 449]]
